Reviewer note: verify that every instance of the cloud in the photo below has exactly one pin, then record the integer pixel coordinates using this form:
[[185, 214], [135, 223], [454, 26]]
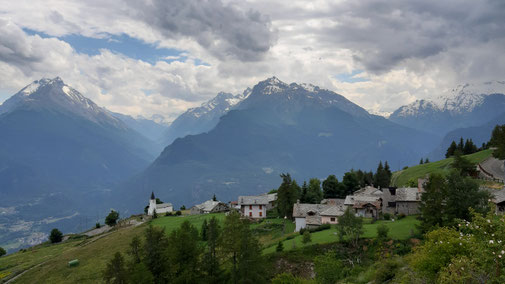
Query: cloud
[[223, 30]]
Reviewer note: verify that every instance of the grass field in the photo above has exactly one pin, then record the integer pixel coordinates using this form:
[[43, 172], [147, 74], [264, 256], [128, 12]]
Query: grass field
[[172, 222], [399, 230], [401, 178]]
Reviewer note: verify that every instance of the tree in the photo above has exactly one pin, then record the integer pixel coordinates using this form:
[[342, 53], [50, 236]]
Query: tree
[[155, 255], [210, 262], [463, 165], [214, 197], [426, 161], [330, 187], [328, 268], [115, 271], [350, 182], [461, 145], [280, 247], [303, 197], [135, 249], [185, 252], [287, 195], [382, 175], [350, 226], [183, 207], [112, 218], [204, 230], [306, 237], [498, 140], [2, 251], [421, 162], [451, 149], [56, 236], [314, 194], [231, 244], [447, 199]]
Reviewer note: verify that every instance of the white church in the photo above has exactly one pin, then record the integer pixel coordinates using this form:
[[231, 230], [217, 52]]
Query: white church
[[159, 208]]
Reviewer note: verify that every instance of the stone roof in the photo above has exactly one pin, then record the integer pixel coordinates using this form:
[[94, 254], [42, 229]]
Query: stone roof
[[333, 211], [313, 220], [367, 194], [263, 199], [408, 194], [333, 201], [301, 210], [163, 205], [208, 205], [498, 195]]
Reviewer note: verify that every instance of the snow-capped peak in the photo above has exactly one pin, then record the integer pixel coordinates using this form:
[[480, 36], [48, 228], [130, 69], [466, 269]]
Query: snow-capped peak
[[272, 85]]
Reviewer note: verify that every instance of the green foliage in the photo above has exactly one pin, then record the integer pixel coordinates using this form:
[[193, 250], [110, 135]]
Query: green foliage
[[412, 182], [328, 268], [97, 225], [382, 232], [139, 274], [2, 251], [350, 226], [383, 175], [386, 216], [331, 187], [116, 272], [213, 273], [155, 214], [214, 197], [386, 270], [178, 213], [287, 195], [448, 198], [421, 162], [158, 201], [313, 193], [451, 149], [498, 141], [280, 247], [135, 249], [56, 236], [350, 182], [288, 278], [203, 230], [112, 218], [184, 253], [464, 166], [316, 229], [155, 255], [306, 237], [182, 208]]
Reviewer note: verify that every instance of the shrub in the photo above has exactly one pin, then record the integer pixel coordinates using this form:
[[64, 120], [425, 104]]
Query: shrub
[[288, 278], [328, 268], [178, 213], [2, 251], [386, 216], [306, 237], [168, 214], [183, 208], [280, 247], [400, 216], [382, 232], [290, 237], [56, 236], [97, 225], [386, 270], [316, 229]]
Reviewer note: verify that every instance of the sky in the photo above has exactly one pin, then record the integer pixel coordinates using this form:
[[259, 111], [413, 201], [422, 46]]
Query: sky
[[148, 57]]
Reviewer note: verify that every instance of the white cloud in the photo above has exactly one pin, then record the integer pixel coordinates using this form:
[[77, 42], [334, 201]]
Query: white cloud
[[406, 49]]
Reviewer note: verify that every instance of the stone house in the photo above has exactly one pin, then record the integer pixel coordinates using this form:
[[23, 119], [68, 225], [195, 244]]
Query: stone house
[[498, 198], [407, 200], [209, 206], [256, 206], [366, 202], [314, 215]]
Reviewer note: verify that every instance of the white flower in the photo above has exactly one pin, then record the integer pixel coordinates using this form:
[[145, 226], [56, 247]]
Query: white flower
[[491, 241], [499, 256], [441, 242], [489, 221], [459, 225], [492, 235], [460, 244], [503, 252]]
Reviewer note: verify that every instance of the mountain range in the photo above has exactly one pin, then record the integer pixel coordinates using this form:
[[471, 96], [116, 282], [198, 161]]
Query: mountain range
[[278, 128], [60, 155]]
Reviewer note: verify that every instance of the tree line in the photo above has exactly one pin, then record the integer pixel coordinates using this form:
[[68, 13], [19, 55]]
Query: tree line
[[187, 256], [463, 147]]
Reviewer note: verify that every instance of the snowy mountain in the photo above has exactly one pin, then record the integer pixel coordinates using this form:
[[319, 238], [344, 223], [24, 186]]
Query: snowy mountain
[[465, 106], [278, 128], [203, 118], [60, 155]]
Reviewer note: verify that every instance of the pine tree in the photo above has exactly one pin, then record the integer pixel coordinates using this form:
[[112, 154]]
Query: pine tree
[[421, 162], [287, 195], [314, 194], [203, 231], [214, 198], [210, 262], [330, 187], [426, 161], [461, 145], [185, 251], [350, 184], [451, 149], [303, 197], [116, 272]]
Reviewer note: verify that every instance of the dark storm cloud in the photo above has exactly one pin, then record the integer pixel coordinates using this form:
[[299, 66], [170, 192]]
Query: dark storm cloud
[[224, 30], [384, 33]]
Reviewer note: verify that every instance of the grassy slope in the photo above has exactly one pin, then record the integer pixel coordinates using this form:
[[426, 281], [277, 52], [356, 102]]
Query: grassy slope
[[399, 229], [402, 177]]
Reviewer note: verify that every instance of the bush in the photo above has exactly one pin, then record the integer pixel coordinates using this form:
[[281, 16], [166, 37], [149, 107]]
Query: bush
[[97, 225], [56, 236], [386, 216], [178, 213], [316, 229], [168, 214], [112, 218], [306, 237], [382, 232], [2, 251], [288, 278], [386, 270], [183, 208], [328, 268], [400, 216], [280, 247], [290, 237]]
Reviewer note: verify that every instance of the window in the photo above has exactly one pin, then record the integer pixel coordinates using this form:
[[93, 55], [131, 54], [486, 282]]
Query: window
[[332, 219], [250, 207], [261, 213], [261, 207], [250, 214]]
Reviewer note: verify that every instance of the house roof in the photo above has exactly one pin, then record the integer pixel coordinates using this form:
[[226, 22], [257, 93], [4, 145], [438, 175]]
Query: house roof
[[263, 199], [498, 195], [333, 211], [313, 220], [360, 205], [208, 205], [367, 194], [163, 205], [408, 194], [333, 201]]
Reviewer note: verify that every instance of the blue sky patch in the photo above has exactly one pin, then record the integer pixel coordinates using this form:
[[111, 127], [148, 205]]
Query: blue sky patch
[[123, 44], [350, 77]]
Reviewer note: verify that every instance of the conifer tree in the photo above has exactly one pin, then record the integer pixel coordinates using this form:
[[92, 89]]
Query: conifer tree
[[303, 197], [287, 195], [421, 161], [451, 149], [330, 187]]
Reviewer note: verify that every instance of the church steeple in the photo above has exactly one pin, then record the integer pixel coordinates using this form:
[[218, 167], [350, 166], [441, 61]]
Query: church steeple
[[152, 195]]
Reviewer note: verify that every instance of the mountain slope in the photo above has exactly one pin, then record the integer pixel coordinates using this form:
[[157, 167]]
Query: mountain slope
[[60, 155], [303, 130], [202, 119], [466, 106]]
